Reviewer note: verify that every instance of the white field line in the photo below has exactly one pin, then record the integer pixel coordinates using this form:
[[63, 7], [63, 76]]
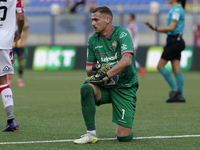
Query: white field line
[[102, 139]]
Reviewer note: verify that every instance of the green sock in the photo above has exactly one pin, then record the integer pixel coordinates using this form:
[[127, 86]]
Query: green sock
[[88, 106], [126, 138]]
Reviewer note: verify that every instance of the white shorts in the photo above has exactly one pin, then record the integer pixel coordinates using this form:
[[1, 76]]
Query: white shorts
[[6, 62]]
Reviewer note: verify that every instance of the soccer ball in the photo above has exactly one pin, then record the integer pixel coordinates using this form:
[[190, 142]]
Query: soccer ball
[[111, 82]]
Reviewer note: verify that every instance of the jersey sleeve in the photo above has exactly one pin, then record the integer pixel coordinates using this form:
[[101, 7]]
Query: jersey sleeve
[[176, 14], [125, 41], [91, 60], [19, 7]]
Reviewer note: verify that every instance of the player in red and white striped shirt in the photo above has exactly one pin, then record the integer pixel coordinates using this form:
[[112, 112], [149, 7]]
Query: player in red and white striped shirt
[[10, 10], [133, 30]]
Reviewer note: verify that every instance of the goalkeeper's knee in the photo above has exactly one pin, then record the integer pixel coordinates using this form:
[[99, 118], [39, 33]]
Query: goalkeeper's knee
[[86, 90], [126, 138]]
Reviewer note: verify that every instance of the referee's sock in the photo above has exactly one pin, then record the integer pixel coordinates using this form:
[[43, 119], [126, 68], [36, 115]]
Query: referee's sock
[[168, 77], [180, 82]]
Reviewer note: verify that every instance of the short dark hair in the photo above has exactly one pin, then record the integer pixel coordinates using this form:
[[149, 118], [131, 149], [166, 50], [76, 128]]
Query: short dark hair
[[132, 16], [103, 10]]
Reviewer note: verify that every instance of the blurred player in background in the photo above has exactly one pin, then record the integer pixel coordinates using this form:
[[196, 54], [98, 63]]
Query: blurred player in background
[[133, 30], [77, 5], [18, 49], [9, 10], [110, 45], [172, 50], [90, 5]]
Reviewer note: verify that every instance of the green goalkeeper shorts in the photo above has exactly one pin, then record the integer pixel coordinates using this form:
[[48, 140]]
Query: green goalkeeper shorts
[[123, 102]]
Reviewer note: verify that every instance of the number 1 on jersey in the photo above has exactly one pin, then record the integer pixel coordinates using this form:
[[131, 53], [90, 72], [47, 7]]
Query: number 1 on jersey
[[123, 112]]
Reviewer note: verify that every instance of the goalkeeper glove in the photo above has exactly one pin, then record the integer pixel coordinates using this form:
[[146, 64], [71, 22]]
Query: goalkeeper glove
[[101, 68], [97, 78]]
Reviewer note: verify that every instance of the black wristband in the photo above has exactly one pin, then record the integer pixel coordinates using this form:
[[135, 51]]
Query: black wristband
[[156, 28], [94, 68]]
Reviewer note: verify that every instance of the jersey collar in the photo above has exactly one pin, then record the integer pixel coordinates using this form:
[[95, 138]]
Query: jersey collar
[[177, 5], [105, 37]]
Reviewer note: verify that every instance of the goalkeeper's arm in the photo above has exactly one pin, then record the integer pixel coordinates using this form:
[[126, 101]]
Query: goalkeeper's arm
[[89, 70], [124, 63]]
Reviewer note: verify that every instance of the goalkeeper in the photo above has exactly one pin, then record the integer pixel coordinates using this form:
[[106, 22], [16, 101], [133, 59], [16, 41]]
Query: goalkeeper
[[110, 46]]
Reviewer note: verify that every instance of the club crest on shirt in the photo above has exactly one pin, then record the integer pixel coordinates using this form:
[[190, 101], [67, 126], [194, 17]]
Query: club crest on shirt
[[114, 43]]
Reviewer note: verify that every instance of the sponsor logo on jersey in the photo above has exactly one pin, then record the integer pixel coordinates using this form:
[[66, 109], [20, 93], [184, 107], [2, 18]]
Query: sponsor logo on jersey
[[127, 85], [109, 58], [124, 47], [6, 68], [98, 47], [123, 34], [122, 121], [177, 9], [114, 43]]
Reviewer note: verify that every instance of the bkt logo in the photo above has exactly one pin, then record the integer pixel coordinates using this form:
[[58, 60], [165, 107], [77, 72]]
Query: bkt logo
[[54, 58], [154, 54]]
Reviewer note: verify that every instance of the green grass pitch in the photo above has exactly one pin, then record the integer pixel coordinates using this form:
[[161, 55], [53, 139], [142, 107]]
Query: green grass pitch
[[48, 109]]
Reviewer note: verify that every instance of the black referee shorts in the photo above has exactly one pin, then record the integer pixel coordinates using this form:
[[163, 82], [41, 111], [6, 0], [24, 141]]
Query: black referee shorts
[[173, 48], [18, 51]]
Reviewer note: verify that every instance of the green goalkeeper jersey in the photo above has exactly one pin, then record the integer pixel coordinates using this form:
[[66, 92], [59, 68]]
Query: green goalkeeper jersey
[[110, 49]]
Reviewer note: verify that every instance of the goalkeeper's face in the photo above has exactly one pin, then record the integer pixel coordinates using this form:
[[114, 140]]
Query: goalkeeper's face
[[100, 22]]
